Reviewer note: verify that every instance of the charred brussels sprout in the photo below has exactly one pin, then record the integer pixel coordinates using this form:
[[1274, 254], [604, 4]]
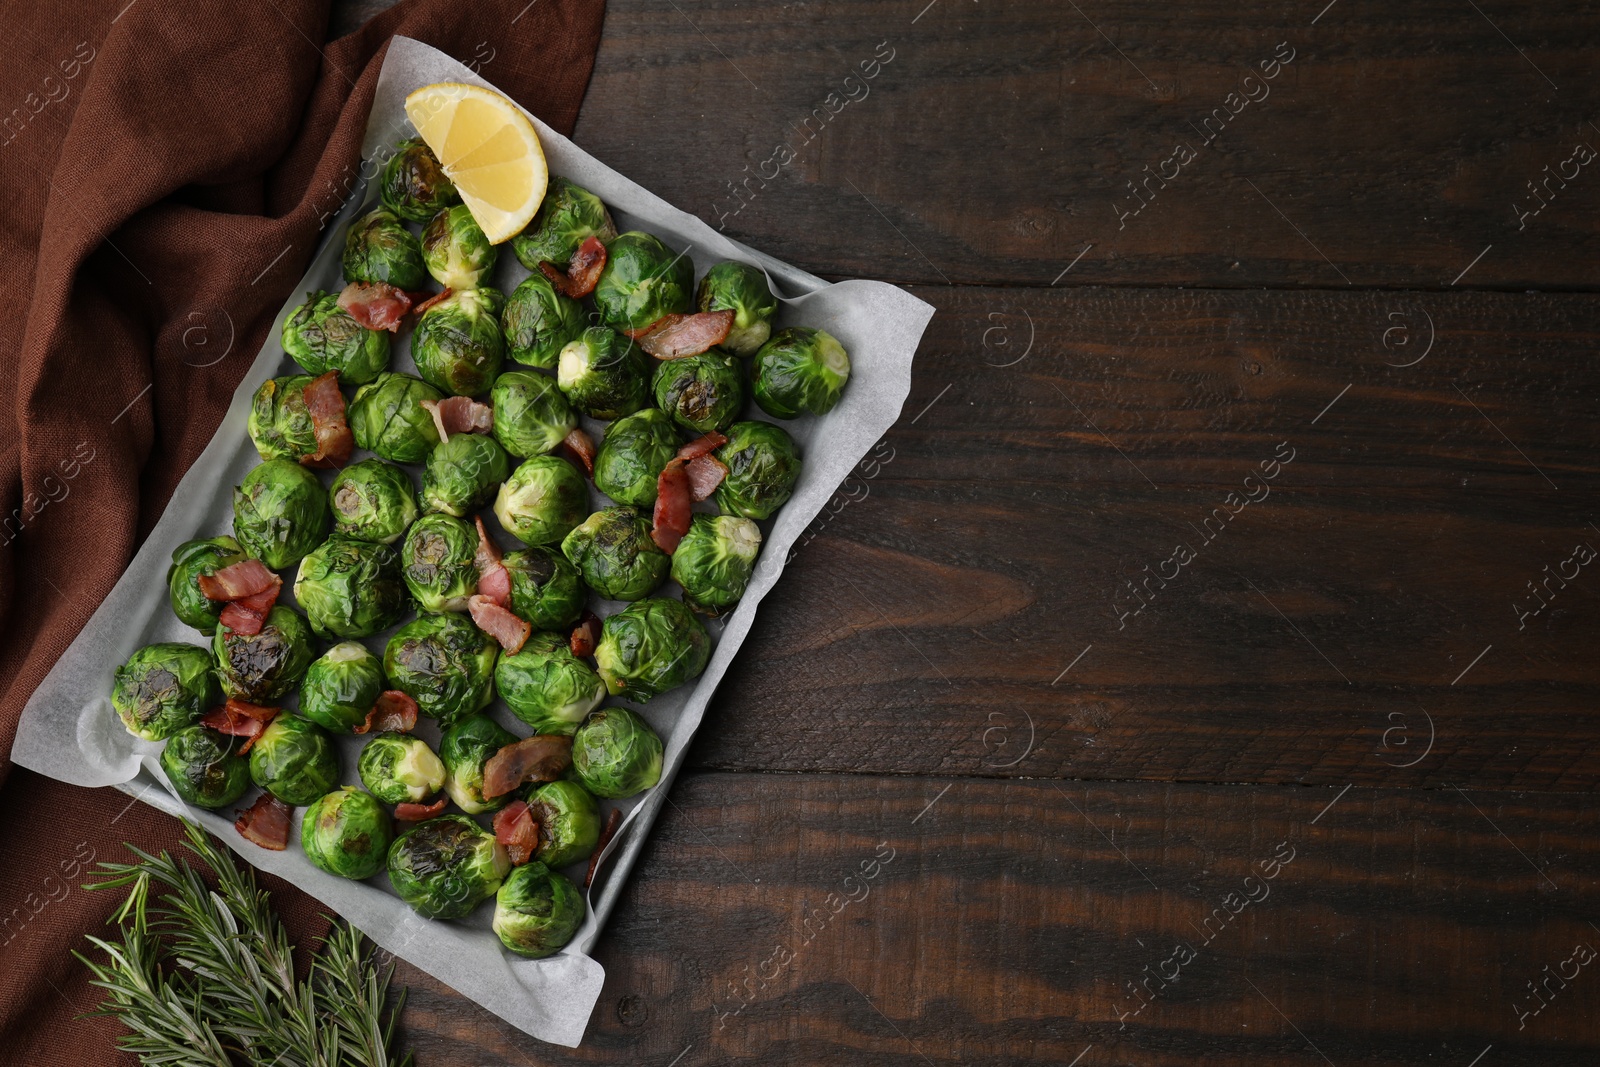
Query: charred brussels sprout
[[703, 392], [569, 822], [280, 424], [205, 768], [455, 250], [447, 866], [542, 500], [438, 561], [321, 336], [763, 466], [567, 217], [537, 910], [190, 561], [616, 754], [294, 760], [538, 321], [444, 663], [341, 686], [280, 512], [350, 588], [643, 280], [615, 554], [463, 473], [387, 417], [372, 501], [413, 184], [379, 248], [265, 667], [651, 647], [743, 290], [548, 687], [464, 749], [545, 591], [347, 833], [799, 370], [458, 346], [632, 454], [400, 769], [604, 374], [531, 416], [715, 560], [164, 688]]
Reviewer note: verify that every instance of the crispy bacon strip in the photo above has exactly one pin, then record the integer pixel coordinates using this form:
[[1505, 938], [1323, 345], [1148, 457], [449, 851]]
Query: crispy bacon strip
[[702, 446], [583, 273], [459, 414], [245, 578], [334, 440], [499, 623], [613, 821], [494, 581], [266, 822], [248, 615], [421, 302], [585, 635], [674, 504], [540, 758], [705, 474], [376, 305], [515, 829], [676, 336], [578, 447], [406, 811], [238, 718], [395, 711]]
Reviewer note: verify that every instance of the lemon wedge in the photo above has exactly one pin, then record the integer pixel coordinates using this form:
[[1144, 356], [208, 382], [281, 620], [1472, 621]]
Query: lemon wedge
[[488, 148]]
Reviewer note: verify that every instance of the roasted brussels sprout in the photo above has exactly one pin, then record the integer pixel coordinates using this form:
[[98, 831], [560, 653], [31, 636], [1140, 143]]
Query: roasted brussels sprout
[[635, 449], [379, 248], [567, 217], [546, 686], [341, 686], [163, 688], [604, 374], [616, 754], [350, 588], [413, 185], [531, 415], [447, 866], [190, 560], [372, 501], [457, 345], [455, 250], [538, 321], [715, 560], [400, 769], [444, 663], [542, 501], [463, 474], [643, 280], [280, 424], [321, 336], [438, 562], [799, 370], [464, 748], [703, 392], [280, 512], [265, 667], [569, 822], [387, 417], [650, 647], [545, 591], [294, 760], [537, 910], [347, 833], [763, 465], [615, 554], [205, 767], [743, 290]]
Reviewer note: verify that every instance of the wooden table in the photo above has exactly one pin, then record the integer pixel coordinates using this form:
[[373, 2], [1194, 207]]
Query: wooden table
[[1205, 670]]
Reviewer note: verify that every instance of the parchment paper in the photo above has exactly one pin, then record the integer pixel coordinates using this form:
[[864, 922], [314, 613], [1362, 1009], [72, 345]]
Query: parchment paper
[[69, 730]]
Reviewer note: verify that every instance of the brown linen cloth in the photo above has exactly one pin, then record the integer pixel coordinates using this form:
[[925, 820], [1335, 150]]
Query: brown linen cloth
[[166, 171]]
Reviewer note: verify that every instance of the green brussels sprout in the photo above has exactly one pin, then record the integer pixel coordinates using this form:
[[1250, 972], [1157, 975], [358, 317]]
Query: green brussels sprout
[[444, 663], [634, 450], [400, 769], [280, 512], [439, 562], [616, 754], [531, 415], [615, 555], [546, 686], [567, 217], [294, 760], [743, 290], [457, 345], [163, 688], [205, 768], [265, 667], [643, 280], [447, 866], [715, 560], [280, 424], [350, 588], [464, 748], [190, 561], [387, 417], [569, 822], [372, 501], [650, 647], [798, 370], [703, 392], [455, 250], [413, 185], [604, 374], [538, 321], [379, 248], [763, 465], [542, 501], [545, 591], [537, 911], [347, 833], [341, 687], [463, 474], [321, 336]]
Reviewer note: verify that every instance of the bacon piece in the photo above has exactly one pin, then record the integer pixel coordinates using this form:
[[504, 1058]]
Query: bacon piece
[[395, 711], [705, 474], [540, 758], [515, 829], [494, 581], [585, 635], [676, 336], [582, 273], [702, 446], [238, 718], [674, 505], [248, 615], [245, 578], [406, 811], [334, 440], [421, 302], [459, 414], [376, 305], [613, 821], [266, 822], [578, 447], [498, 622]]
